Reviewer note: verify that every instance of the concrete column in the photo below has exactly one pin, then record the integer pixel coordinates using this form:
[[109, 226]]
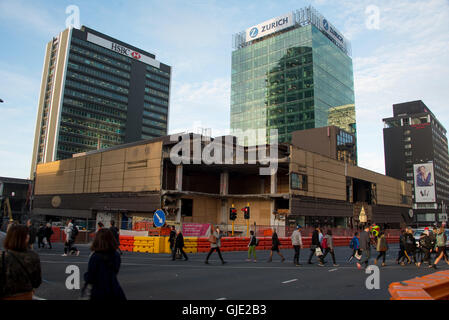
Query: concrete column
[[224, 183], [178, 214], [274, 183], [179, 170]]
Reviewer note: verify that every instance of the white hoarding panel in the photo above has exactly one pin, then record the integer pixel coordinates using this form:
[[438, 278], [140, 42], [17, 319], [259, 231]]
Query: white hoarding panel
[[269, 27], [424, 182], [122, 50]]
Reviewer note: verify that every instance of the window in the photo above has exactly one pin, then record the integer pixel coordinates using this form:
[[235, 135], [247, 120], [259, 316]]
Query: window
[[298, 181], [186, 207]]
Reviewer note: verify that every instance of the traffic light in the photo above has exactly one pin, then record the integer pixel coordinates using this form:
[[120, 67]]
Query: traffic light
[[232, 214], [246, 213]]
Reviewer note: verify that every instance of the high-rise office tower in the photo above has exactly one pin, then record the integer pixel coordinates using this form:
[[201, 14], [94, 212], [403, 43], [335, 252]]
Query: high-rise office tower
[[293, 72], [97, 92], [416, 151]]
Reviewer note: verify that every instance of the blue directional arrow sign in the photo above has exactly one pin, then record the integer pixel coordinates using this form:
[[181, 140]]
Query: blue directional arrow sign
[[159, 218]]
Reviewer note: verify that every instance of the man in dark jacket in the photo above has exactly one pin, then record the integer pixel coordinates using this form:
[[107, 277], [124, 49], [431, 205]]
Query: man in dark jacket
[[410, 246], [315, 244], [40, 236], [116, 232], [425, 246], [172, 238], [48, 232], [179, 245], [32, 233], [365, 247], [401, 253]]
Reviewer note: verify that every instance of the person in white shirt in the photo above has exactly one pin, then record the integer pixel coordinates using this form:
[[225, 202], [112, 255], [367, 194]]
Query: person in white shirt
[[297, 244]]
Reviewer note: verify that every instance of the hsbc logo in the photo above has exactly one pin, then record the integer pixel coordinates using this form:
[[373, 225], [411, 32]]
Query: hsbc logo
[[136, 55], [125, 51]]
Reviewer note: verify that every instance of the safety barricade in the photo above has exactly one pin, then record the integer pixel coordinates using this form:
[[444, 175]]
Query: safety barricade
[[144, 244], [203, 245], [126, 243], [190, 244], [434, 286]]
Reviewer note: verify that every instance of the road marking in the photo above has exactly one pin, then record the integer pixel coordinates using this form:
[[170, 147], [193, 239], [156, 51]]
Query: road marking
[[221, 299], [38, 298], [333, 269], [288, 281]]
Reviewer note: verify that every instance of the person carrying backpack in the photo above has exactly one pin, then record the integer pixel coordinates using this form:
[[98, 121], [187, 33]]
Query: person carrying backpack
[[354, 245], [71, 232], [252, 246], [328, 245], [440, 246], [382, 247], [425, 243]]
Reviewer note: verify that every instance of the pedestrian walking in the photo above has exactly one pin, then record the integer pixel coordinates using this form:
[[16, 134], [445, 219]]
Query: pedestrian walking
[[20, 267], [401, 253], [40, 236], [354, 245], [328, 245], [103, 267], [116, 232], [215, 244], [71, 232], [381, 248], [440, 246], [433, 241], [252, 247], [48, 232], [275, 244], [410, 246], [425, 244], [297, 244], [315, 247], [365, 247], [32, 232], [171, 239], [179, 246]]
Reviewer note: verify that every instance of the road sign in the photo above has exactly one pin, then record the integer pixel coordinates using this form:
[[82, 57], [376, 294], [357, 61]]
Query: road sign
[[159, 218]]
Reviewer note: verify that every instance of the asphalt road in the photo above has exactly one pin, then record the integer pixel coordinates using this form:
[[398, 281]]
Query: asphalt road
[[154, 276]]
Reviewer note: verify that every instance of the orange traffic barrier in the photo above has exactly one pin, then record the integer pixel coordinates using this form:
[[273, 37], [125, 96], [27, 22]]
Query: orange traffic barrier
[[434, 286]]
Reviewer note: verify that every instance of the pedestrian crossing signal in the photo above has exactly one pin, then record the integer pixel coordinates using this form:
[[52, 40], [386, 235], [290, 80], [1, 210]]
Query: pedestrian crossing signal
[[232, 214], [246, 212]]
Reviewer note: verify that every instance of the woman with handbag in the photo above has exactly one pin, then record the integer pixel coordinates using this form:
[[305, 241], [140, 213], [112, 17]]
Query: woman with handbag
[[215, 244], [275, 247], [315, 247], [20, 267], [103, 267]]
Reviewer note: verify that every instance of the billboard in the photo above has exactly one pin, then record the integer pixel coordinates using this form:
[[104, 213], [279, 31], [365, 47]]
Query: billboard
[[424, 182], [269, 26]]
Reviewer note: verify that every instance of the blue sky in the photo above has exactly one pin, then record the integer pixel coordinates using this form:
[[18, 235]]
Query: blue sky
[[405, 59]]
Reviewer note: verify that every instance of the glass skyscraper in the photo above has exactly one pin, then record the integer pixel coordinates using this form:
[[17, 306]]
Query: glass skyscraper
[[97, 92], [290, 73]]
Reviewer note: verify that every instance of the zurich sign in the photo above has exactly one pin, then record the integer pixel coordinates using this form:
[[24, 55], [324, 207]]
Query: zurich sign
[[253, 33]]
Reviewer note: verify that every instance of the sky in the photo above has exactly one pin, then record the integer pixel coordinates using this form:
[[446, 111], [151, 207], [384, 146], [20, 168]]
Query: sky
[[399, 51]]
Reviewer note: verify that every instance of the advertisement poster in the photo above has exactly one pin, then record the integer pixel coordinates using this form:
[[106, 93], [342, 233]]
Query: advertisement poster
[[424, 182], [196, 229]]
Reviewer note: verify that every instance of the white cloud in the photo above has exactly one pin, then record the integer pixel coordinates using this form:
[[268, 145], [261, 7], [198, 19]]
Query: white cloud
[[202, 104]]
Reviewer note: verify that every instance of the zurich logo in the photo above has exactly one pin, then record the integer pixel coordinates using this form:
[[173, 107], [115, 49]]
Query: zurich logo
[[325, 24], [253, 33]]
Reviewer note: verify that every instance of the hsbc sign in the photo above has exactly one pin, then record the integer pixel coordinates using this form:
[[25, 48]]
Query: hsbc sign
[[122, 50]]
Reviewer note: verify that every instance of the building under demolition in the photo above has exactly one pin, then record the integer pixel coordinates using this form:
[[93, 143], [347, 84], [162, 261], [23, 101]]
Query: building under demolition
[[199, 179]]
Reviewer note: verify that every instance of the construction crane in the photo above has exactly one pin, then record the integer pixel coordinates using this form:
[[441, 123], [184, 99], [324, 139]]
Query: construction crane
[[7, 209]]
